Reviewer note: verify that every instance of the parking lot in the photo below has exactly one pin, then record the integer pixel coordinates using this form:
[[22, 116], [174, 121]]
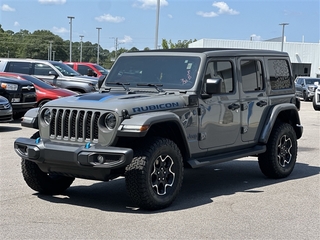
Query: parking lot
[[231, 200]]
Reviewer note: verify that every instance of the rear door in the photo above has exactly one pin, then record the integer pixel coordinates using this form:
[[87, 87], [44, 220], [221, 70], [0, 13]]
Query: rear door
[[253, 97]]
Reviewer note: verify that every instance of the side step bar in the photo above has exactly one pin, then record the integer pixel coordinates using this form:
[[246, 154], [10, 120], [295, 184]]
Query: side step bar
[[219, 158]]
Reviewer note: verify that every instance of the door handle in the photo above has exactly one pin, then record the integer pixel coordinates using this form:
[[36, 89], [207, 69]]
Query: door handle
[[261, 103], [233, 106]]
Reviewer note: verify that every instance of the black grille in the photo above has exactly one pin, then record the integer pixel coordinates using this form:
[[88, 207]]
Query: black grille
[[74, 125]]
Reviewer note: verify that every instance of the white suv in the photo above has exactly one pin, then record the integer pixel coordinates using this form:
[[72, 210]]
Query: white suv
[[316, 98]]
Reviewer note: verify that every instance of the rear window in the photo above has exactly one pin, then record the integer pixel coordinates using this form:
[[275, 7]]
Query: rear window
[[280, 77]]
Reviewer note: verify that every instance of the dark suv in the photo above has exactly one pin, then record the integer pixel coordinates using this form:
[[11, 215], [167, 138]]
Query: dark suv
[[158, 111], [20, 93]]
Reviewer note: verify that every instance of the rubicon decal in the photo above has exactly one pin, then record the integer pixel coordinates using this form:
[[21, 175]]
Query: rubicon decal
[[155, 107]]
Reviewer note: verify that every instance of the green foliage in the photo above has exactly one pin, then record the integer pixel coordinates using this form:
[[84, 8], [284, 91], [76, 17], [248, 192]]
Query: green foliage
[[24, 44]]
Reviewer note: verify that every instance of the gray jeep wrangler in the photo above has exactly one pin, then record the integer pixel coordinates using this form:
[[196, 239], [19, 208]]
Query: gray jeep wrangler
[[160, 111]]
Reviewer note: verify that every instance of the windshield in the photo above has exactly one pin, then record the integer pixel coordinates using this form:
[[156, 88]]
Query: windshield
[[169, 72], [65, 69], [312, 80], [38, 82]]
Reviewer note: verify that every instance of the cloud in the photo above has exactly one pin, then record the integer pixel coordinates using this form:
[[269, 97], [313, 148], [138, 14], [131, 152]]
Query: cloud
[[223, 8], [207, 14], [109, 18], [7, 8], [146, 4], [170, 16], [57, 2], [16, 24], [59, 30], [126, 39]]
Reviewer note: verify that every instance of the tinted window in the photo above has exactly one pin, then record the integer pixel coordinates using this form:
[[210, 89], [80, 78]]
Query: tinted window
[[279, 72], [251, 73], [42, 69], [19, 67], [82, 69]]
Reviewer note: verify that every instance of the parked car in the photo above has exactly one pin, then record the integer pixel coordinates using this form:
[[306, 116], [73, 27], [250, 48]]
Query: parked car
[[45, 91], [20, 93], [158, 111], [56, 73], [316, 98], [305, 87], [89, 69], [5, 110]]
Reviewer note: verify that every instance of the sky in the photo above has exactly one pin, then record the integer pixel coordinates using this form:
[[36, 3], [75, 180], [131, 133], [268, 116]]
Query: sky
[[133, 23]]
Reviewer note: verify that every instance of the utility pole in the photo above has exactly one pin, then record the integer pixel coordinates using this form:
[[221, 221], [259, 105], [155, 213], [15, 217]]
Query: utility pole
[[282, 40], [53, 55], [99, 28], [70, 37], [157, 24], [81, 36]]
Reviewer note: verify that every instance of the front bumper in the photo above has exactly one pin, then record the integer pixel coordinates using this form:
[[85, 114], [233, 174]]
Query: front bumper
[[72, 156]]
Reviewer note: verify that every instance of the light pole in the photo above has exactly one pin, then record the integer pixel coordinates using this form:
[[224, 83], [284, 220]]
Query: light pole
[[70, 37], [81, 36], [99, 28], [157, 25], [282, 40], [50, 50], [53, 55]]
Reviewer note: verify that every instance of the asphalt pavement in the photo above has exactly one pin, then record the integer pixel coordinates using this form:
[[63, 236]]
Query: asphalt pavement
[[230, 200]]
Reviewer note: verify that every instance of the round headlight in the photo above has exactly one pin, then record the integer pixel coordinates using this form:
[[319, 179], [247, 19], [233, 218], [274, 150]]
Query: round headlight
[[110, 121], [47, 116]]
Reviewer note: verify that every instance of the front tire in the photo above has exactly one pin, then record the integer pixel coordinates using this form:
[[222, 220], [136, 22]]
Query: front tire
[[280, 158], [154, 177], [42, 182]]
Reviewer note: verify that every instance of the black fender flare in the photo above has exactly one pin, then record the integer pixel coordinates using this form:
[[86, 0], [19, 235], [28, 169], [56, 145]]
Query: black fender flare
[[291, 114], [139, 125]]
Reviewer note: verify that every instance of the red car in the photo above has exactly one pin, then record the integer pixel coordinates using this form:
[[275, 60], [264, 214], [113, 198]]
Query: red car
[[45, 92], [87, 68]]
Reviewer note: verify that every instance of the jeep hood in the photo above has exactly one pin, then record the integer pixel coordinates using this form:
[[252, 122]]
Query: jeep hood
[[118, 101]]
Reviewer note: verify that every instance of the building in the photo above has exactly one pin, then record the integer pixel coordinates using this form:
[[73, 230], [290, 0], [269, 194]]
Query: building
[[305, 57]]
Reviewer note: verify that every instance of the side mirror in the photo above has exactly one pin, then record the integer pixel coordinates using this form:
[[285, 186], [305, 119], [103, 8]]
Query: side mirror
[[213, 86], [53, 73]]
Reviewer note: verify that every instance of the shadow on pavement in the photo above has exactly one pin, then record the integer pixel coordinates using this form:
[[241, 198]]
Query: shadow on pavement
[[200, 187]]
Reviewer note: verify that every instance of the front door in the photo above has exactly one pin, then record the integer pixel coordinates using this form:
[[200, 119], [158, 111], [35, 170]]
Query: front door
[[219, 120]]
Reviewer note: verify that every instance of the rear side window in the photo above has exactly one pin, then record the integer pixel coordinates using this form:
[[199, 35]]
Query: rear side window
[[252, 77], [279, 73], [19, 67]]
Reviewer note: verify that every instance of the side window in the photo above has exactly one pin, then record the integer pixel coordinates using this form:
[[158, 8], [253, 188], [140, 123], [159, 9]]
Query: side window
[[252, 77], [83, 70], [19, 67], [42, 69], [223, 70], [279, 73]]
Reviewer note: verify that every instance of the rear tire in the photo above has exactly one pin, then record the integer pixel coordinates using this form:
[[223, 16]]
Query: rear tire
[[280, 158], [155, 175]]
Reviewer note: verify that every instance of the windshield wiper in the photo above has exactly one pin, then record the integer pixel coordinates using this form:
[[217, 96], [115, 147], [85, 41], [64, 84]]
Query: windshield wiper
[[158, 87], [120, 83]]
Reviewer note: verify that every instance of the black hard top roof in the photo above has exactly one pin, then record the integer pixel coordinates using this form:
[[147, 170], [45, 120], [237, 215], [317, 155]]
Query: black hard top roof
[[228, 51]]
